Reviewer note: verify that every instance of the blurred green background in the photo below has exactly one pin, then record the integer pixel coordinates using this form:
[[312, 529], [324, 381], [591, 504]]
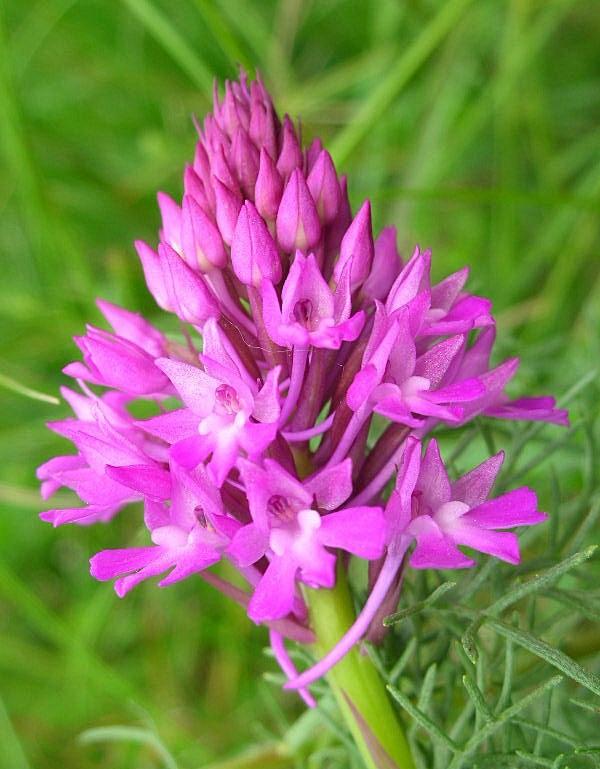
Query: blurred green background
[[474, 126]]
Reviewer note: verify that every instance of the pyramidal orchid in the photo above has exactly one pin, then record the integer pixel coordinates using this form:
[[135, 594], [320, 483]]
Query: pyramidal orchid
[[299, 327]]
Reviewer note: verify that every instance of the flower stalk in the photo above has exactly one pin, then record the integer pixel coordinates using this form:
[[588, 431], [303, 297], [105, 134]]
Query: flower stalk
[[356, 684]]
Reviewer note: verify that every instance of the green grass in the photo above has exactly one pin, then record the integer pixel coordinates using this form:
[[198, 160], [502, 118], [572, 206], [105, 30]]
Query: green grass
[[474, 127]]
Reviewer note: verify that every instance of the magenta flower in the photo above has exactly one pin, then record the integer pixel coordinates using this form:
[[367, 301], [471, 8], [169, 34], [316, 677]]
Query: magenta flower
[[310, 313], [288, 527], [442, 515], [325, 361], [184, 536], [437, 516], [226, 411]]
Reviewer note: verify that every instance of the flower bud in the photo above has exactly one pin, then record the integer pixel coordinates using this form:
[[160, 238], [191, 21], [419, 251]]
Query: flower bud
[[386, 266], [171, 220], [253, 252], [193, 186], [290, 156], [324, 187], [153, 274], [268, 189], [298, 224], [245, 161], [228, 208], [264, 125], [201, 240], [189, 296], [357, 247]]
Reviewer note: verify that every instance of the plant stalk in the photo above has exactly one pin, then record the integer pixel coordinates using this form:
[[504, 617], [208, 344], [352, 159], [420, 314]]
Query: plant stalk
[[355, 680]]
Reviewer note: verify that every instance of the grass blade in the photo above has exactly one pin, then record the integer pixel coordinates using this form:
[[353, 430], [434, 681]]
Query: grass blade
[[160, 28], [369, 113]]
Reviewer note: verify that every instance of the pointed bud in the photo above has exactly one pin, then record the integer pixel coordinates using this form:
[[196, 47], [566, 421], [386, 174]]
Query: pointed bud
[[133, 327], [337, 228], [116, 362], [189, 296], [213, 137], [153, 274], [253, 252], [192, 186], [385, 268], [171, 220], [298, 224], [228, 205], [202, 169], [269, 188], [357, 247], [200, 239], [219, 166], [244, 156], [290, 156], [313, 152], [324, 187], [264, 125], [233, 114]]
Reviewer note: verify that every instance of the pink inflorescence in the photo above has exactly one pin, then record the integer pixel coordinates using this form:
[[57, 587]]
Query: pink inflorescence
[[312, 331]]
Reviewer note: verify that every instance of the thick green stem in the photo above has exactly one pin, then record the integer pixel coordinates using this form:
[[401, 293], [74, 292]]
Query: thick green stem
[[355, 680]]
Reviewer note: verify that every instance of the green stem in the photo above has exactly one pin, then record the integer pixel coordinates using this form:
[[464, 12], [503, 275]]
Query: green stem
[[354, 679]]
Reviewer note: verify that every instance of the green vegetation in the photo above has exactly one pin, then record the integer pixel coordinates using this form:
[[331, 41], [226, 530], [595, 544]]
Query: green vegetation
[[474, 127]]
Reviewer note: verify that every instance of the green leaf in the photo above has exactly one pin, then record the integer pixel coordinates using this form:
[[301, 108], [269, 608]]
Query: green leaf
[[161, 29], [12, 755], [549, 654], [27, 392], [399, 616], [130, 734], [537, 583], [502, 718], [407, 65], [434, 731]]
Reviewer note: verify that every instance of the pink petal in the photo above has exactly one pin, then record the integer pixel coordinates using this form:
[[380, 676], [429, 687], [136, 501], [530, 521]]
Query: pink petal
[[434, 550], [474, 487], [249, 544], [194, 386], [358, 530], [515, 508], [173, 426], [502, 544], [331, 486], [274, 594], [433, 479], [148, 480]]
